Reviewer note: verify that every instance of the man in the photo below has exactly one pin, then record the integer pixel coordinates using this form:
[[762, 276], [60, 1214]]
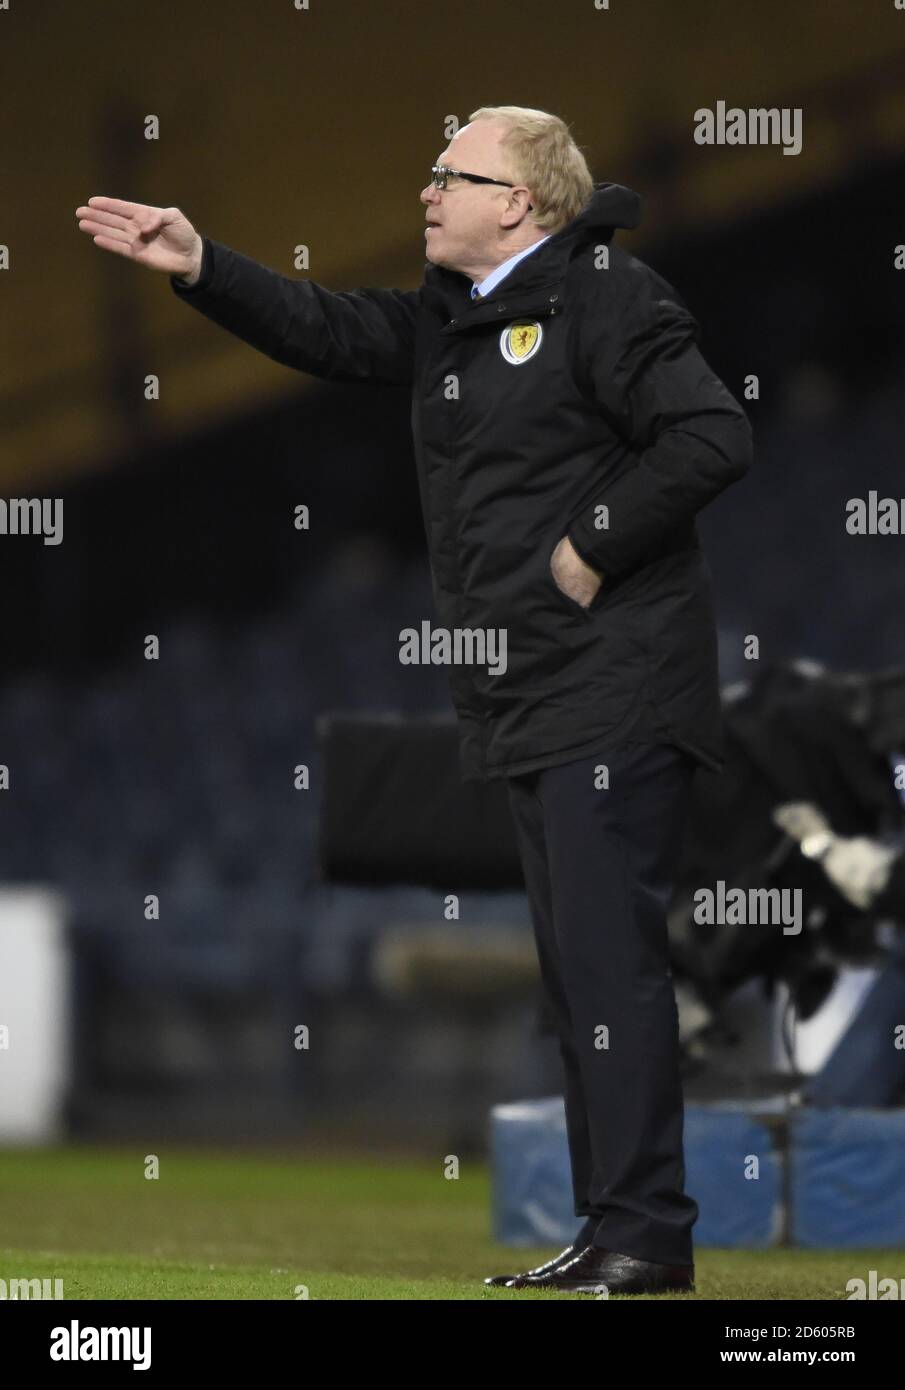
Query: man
[[567, 431]]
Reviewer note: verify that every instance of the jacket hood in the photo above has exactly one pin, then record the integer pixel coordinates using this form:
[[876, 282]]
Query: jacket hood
[[611, 205]]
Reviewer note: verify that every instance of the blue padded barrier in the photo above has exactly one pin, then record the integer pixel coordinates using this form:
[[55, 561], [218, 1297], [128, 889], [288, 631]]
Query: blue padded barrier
[[532, 1194], [847, 1178], [826, 1178]]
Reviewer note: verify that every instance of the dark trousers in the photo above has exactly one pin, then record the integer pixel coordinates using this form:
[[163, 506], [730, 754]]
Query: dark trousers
[[599, 867]]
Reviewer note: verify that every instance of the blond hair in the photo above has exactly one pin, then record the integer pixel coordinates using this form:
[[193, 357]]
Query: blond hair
[[543, 155]]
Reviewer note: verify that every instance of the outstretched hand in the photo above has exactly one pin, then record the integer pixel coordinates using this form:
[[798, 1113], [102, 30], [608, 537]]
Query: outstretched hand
[[159, 238]]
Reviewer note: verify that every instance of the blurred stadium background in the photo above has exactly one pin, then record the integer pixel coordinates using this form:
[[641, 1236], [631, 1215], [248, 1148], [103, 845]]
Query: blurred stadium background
[[175, 777]]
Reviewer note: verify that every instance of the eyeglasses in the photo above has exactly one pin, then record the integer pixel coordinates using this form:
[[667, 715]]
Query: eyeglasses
[[441, 172]]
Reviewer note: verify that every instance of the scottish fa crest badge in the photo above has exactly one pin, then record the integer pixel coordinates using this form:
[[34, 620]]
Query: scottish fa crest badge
[[520, 340]]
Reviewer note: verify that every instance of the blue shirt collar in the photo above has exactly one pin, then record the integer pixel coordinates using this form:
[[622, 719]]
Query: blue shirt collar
[[495, 276]]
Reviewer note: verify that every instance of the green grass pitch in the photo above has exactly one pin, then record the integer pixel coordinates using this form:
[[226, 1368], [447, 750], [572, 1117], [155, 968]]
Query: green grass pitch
[[224, 1225]]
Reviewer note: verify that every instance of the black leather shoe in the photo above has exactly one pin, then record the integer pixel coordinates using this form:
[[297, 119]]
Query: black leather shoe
[[564, 1256], [593, 1268]]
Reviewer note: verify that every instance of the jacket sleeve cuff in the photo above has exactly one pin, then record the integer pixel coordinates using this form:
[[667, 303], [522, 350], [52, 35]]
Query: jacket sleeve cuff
[[206, 275], [587, 544]]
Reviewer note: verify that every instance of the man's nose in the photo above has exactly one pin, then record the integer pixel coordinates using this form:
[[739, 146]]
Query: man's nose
[[427, 193]]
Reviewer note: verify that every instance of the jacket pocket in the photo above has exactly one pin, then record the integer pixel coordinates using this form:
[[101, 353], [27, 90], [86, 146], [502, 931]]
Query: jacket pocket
[[571, 604]]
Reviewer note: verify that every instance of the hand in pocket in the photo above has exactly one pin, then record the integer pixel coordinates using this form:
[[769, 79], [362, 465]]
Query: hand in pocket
[[577, 580]]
